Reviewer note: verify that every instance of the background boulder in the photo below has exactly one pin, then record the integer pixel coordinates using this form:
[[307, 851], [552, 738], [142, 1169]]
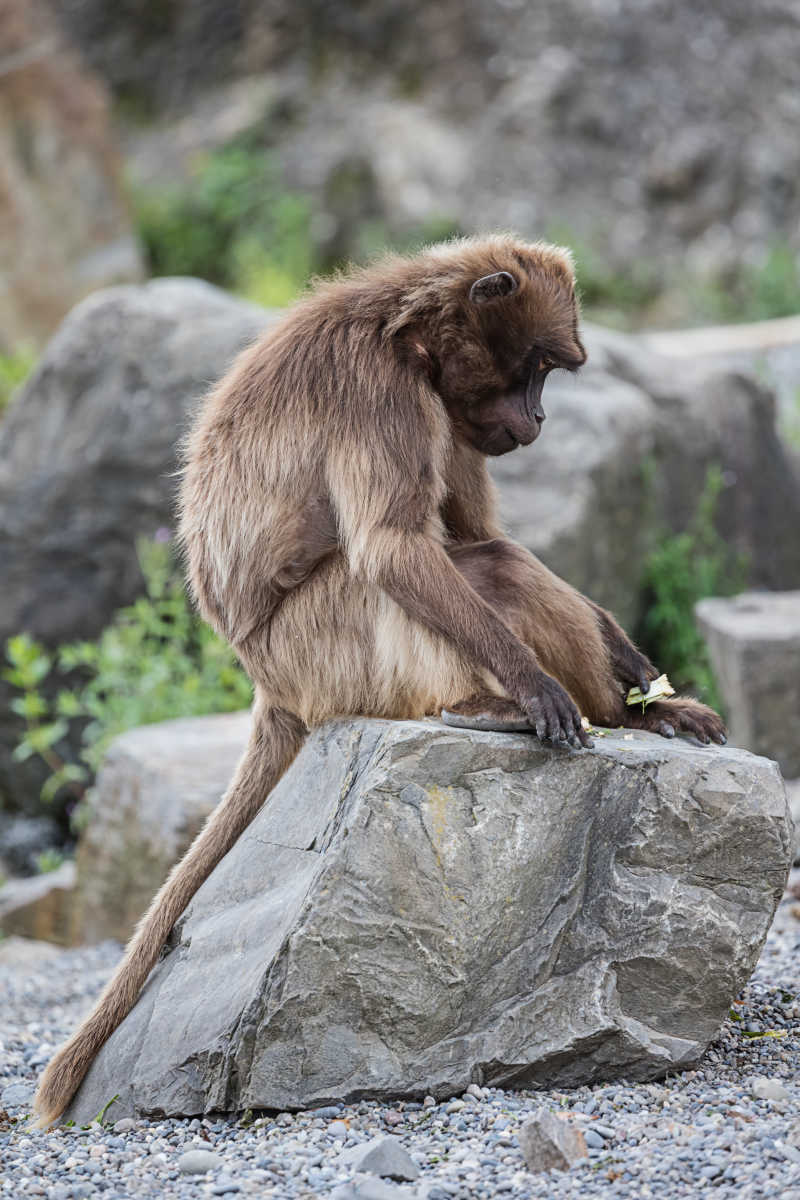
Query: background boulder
[[418, 908], [754, 645], [157, 785], [88, 454]]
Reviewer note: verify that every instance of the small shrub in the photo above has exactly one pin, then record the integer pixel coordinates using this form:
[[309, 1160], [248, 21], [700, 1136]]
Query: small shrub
[[684, 568], [156, 660], [232, 223], [770, 288]]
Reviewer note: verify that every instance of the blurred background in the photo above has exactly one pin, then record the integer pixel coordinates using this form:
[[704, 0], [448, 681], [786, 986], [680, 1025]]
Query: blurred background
[[254, 144]]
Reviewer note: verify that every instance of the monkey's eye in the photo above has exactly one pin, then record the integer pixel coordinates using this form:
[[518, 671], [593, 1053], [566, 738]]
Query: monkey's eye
[[545, 364]]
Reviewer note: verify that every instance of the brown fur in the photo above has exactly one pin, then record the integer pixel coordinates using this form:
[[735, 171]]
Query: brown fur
[[341, 531]]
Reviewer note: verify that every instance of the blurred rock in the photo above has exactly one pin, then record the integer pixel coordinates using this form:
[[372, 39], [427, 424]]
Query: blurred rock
[[154, 791], [40, 907], [64, 225], [23, 839], [548, 1142], [624, 458], [623, 125], [793, 794], [87, 462], [459, 906], [754, 645]]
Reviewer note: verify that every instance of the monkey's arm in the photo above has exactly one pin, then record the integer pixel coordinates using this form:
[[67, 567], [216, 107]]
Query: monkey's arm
[[386, 497], [631, 668]]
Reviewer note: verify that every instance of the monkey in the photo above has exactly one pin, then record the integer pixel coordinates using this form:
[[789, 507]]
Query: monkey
[[340, 530]]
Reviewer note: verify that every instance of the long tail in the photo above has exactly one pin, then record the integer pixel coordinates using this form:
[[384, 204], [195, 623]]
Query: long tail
[[275, 740]]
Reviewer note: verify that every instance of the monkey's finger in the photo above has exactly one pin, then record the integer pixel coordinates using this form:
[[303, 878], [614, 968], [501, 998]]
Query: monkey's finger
[[690, 725], [644, 683], [720, 738], [665, 729], [584, 739]]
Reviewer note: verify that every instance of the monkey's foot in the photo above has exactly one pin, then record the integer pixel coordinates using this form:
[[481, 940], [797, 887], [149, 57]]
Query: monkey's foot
[[679, 715], [489, 713]]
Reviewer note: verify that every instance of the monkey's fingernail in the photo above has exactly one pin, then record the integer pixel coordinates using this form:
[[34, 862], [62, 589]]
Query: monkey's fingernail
[[723, 741]]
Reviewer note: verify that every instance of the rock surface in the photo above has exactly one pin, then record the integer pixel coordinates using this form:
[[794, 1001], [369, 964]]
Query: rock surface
[[754, 645], [418, 908], [64, 225], [551, 1143], [156, 787]]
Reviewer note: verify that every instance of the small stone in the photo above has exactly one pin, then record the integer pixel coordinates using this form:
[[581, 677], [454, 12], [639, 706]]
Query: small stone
[[197, 1162], [429, 1102], [593, 1139], [16, 1095], [384, 1156], [126, 1124], [455, 1106], [327, 1112], [548, 1142], [768, 1089], [338, 1129], [368, 1189], [474, 1090], [393, 1117]]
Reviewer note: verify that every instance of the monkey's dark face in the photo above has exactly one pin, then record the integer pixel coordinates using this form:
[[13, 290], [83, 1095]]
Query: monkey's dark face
[[511, 418], [516, 329]]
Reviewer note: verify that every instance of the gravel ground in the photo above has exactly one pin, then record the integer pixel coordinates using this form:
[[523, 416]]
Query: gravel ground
[[731, 1127]]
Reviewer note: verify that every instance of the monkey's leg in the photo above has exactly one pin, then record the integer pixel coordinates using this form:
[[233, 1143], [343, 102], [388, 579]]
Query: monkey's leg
[[678, 714], [577, 642], [274, 741], [488, 712], [551, 617]]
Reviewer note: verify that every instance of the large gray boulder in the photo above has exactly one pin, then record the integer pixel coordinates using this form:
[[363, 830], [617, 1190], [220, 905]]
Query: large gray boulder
[[157, 785], [419, 907], [754, 645], [88, 454]]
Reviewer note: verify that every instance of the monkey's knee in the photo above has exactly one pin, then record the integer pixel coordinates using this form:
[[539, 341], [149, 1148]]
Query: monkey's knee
[[499, 570]]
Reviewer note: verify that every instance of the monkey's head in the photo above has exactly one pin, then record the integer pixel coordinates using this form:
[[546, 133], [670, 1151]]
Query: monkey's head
[[505, 315]]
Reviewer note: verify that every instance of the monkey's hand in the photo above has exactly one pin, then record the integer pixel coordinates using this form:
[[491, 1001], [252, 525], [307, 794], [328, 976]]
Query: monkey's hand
[[629, 666], [551, 712]]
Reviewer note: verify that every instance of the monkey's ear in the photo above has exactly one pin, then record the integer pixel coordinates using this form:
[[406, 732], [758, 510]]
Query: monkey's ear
[[493, 287]]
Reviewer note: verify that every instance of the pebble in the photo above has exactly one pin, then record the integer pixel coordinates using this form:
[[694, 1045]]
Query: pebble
[[729, 1128], [769, 1089], [197, 1162]]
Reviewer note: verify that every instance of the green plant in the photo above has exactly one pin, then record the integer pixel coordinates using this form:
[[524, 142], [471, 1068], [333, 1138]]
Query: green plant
[[231, 222], [49, 860], [753, 292], [682, 569], [156, 660], [14, 370]]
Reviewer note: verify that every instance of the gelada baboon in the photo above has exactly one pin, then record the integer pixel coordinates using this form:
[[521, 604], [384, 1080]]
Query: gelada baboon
[[341, 532]]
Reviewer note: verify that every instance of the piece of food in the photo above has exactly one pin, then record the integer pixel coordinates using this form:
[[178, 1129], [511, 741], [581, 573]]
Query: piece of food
[[659, 688]]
